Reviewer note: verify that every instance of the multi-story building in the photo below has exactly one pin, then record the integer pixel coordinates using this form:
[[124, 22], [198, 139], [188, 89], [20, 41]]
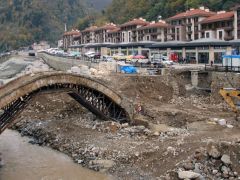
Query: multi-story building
[[129, 30], [88, 35], [101, 33], [185, 26], [219, 26], [155, 31], [236, 22], [114, 36], [68, 38], [197, 35]]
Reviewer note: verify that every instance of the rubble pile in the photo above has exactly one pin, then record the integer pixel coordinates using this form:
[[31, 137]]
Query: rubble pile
[[102, 69], [216, 161]]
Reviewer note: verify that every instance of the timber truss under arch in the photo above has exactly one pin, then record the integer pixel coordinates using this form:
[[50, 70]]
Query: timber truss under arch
[[101, 103]]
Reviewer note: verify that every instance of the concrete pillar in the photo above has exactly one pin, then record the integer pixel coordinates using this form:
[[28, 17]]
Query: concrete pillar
[[211, 54], [229, 50], [119, 50], [139, 50], [194, 78], [150, 54], [235, 24], [168, 52], [184, 55], [104, 51], [196, 55]]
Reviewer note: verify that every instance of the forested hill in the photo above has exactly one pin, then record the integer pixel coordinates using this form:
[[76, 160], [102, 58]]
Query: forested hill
[[122, 10], [25, 21]]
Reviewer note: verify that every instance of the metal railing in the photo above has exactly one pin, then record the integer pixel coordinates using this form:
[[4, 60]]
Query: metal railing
[[221, 68]]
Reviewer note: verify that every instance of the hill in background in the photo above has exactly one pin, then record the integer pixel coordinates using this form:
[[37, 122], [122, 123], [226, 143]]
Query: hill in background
[[23, 22]]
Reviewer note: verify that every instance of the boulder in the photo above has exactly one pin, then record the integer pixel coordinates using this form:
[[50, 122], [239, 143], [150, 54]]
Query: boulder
[[102, 164], [188, 166], [188, 175], [226, 159], [214, 152]]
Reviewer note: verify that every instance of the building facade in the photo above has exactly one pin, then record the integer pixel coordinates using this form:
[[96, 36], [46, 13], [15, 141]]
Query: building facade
[[197, 35], [185, 26], [219, 26], [101, 33], [68, 38], [155, 31], [129, 30]]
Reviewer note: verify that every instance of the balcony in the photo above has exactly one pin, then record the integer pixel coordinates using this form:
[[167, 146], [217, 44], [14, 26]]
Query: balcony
[[228, 37], [229, 28]]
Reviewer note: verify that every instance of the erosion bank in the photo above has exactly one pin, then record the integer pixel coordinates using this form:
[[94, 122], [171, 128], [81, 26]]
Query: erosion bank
[[25, 161]]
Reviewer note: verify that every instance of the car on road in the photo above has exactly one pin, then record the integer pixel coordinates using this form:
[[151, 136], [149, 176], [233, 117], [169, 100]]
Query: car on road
[[107, 58], [90, 54], [119, 57]]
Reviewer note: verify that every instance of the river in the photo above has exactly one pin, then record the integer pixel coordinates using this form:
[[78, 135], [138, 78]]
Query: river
[[23, 161]]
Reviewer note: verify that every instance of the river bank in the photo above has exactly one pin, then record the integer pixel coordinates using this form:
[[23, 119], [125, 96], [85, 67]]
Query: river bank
[[24, 161]]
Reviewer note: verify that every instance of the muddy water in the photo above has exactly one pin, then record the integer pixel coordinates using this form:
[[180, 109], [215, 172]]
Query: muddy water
[[24, 161]]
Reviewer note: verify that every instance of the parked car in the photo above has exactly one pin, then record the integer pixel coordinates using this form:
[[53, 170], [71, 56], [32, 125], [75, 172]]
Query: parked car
[[90, 54], [107, 58], [97, 56], [119, 57], [159, 58]]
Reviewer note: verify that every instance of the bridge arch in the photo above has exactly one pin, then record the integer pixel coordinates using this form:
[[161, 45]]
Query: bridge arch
[[92, 94]]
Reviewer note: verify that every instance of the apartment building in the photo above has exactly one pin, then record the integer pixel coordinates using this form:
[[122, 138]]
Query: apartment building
[[155, 31], [129, 30], [101, 33], [236, 10], [114, 36], [88, 35], [68, 38], [219, 26], [185, 26]]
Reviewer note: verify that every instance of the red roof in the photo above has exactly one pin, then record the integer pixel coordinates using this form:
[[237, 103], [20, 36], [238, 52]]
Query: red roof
[[73, 32], [192, 13], [219, 17], [135, 22], [155, 25], [106, 27], [117, 29], [90, 29]]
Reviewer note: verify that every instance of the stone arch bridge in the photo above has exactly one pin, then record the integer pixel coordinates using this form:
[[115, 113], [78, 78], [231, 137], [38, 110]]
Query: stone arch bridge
[[92, 94]]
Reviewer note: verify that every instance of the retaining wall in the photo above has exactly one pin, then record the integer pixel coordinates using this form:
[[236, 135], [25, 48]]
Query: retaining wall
[[223, 80], [64, 64]]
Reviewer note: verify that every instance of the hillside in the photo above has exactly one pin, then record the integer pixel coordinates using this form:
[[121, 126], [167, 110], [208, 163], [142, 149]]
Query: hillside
[[25, 21], [98, 4]]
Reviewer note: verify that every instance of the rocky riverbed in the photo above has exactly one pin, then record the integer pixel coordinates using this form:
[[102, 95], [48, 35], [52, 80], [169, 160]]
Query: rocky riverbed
[[153, 151]]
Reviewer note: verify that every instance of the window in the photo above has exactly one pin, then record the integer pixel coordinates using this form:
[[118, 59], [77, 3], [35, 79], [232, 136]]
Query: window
[[220, 34], [207, 35]]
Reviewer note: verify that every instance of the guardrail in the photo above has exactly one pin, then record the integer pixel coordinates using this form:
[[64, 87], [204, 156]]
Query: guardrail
[[82, 58], [221, 68]]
